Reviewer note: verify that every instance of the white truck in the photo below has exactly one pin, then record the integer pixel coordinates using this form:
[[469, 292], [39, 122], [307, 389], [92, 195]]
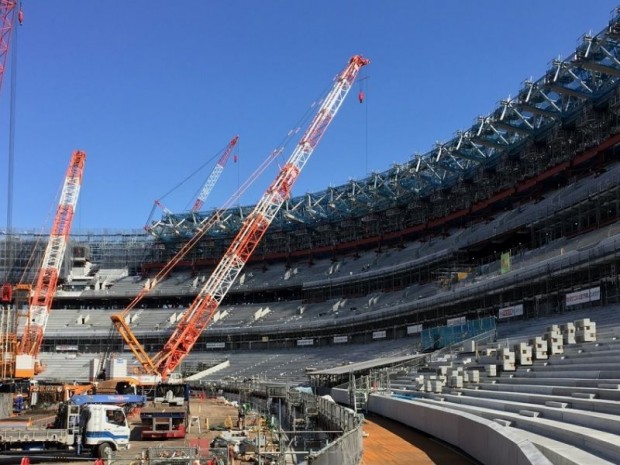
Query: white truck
[[98, 428]]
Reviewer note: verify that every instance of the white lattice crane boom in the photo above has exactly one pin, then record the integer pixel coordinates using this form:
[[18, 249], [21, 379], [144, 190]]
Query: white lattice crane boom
[[202, 309], [47, 279], [215, 175]]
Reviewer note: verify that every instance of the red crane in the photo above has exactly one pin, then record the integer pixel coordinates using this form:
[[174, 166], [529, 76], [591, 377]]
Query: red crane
[[7, 16], [47, 279], [206, 303]]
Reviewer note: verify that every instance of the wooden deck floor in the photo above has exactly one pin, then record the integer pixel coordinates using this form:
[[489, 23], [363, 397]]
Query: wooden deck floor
[[391, 443]]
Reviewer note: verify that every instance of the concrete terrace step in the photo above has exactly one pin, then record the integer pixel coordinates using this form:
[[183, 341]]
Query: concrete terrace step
[[593, 405], [565, 373], [574, 382], [601, 444], [577, 366], [607, 394], [560, 452], [597, 421], [592, 358]]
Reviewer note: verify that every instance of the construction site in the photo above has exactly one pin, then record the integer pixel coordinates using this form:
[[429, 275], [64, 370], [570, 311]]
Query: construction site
[[460, 307]]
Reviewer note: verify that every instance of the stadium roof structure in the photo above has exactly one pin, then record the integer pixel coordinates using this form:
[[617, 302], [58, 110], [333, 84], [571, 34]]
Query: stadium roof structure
[[588, 76]]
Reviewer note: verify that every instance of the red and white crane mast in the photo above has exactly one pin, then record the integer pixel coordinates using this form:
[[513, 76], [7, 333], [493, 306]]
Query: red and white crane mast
[[214, 176], [47, 279], [204, 306], [7, 13]]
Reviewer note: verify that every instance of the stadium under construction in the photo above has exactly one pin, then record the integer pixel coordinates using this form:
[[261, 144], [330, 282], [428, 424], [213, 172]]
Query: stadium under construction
[[395, 294]]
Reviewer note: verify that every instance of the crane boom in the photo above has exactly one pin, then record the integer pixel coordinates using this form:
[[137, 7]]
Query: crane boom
[[7, 13], [47, 279], [215, 175], [119, 319], [202, 309]]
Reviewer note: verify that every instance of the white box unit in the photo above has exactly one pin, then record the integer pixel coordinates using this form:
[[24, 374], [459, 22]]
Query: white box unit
[[117, 368]]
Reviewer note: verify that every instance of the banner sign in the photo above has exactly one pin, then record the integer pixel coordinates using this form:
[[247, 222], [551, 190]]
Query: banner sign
[[507, 312], [378, 335], [415, 329], [581, 297], [460, 321]]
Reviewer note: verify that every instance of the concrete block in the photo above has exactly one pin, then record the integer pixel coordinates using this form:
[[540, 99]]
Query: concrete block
[[529, 413], [568, 332], [555, 343], [553, 403], [502, 422], [583, 395], [469, 346], [585, 330], [523, 354], [490, 370], [609, 386], [539, 348], [456, 382]]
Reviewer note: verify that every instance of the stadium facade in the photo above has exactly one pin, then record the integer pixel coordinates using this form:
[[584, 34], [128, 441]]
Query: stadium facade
[[519, 209]]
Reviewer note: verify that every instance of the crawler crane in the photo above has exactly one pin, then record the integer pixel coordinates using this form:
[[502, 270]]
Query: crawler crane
[[215, 175], [27, 363], [7, 16], [206, 188], [202, 309]]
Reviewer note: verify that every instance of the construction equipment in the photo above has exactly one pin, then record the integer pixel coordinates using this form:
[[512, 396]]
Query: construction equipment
[[204, 191], [8, 340], [203, 227], [215, 175], [27, 363], [108, 399], [208, 299], [166, 415], [97, 427]]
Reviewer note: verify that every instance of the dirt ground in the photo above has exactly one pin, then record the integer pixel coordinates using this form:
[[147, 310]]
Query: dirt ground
[[207, 418], [385, 441]]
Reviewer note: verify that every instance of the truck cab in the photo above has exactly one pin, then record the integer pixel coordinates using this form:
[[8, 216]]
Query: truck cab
[[104, 428]]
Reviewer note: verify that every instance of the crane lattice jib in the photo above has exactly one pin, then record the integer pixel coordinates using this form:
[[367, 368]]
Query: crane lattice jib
[[7, 14], [215, 175], [120, 321], [202, 309], [47, 279]]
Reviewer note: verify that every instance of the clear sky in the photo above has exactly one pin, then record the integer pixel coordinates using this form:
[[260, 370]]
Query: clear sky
[[152, 89]]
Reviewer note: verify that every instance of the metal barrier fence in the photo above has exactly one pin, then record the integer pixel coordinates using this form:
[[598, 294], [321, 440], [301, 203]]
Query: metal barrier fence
[[444, 336], [346, 449]]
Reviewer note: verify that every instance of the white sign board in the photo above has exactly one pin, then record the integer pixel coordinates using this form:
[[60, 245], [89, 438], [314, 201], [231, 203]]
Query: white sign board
[[216, 345], [340, 339], [305, 342], [581, 297], [507, 312], [414, 329], [460, 321], [378, 335]]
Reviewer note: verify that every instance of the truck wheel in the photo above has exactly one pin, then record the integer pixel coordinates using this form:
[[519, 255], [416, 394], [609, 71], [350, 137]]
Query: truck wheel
[[104, 450]]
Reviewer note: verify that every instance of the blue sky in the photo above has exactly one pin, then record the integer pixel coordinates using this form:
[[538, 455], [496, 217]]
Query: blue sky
[[153, 89]]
